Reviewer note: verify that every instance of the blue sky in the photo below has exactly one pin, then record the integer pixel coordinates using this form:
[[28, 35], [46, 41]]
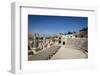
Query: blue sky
[[44, 24]]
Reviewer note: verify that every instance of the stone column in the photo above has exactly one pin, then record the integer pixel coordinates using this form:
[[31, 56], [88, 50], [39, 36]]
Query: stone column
[[34, 40], [43, 41], [37, 39]]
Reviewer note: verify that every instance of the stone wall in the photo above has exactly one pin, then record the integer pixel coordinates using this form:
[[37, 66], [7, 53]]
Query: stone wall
[[78, 43]]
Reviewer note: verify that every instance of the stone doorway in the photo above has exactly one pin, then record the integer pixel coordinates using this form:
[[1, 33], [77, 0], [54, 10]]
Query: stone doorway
[[59, 42], [63, 42]]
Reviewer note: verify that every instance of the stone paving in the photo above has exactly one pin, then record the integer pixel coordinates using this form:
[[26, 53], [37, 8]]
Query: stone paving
[[68, 53]]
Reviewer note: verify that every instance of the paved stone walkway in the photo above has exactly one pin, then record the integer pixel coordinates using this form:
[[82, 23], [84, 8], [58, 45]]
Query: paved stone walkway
[[68, 53]]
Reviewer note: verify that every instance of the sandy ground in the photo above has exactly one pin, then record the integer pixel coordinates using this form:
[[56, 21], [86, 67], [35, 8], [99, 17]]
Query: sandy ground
[[68, 53]]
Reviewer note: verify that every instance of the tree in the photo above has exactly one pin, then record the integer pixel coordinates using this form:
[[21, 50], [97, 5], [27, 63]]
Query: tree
[[74, 32], [69, 33]]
